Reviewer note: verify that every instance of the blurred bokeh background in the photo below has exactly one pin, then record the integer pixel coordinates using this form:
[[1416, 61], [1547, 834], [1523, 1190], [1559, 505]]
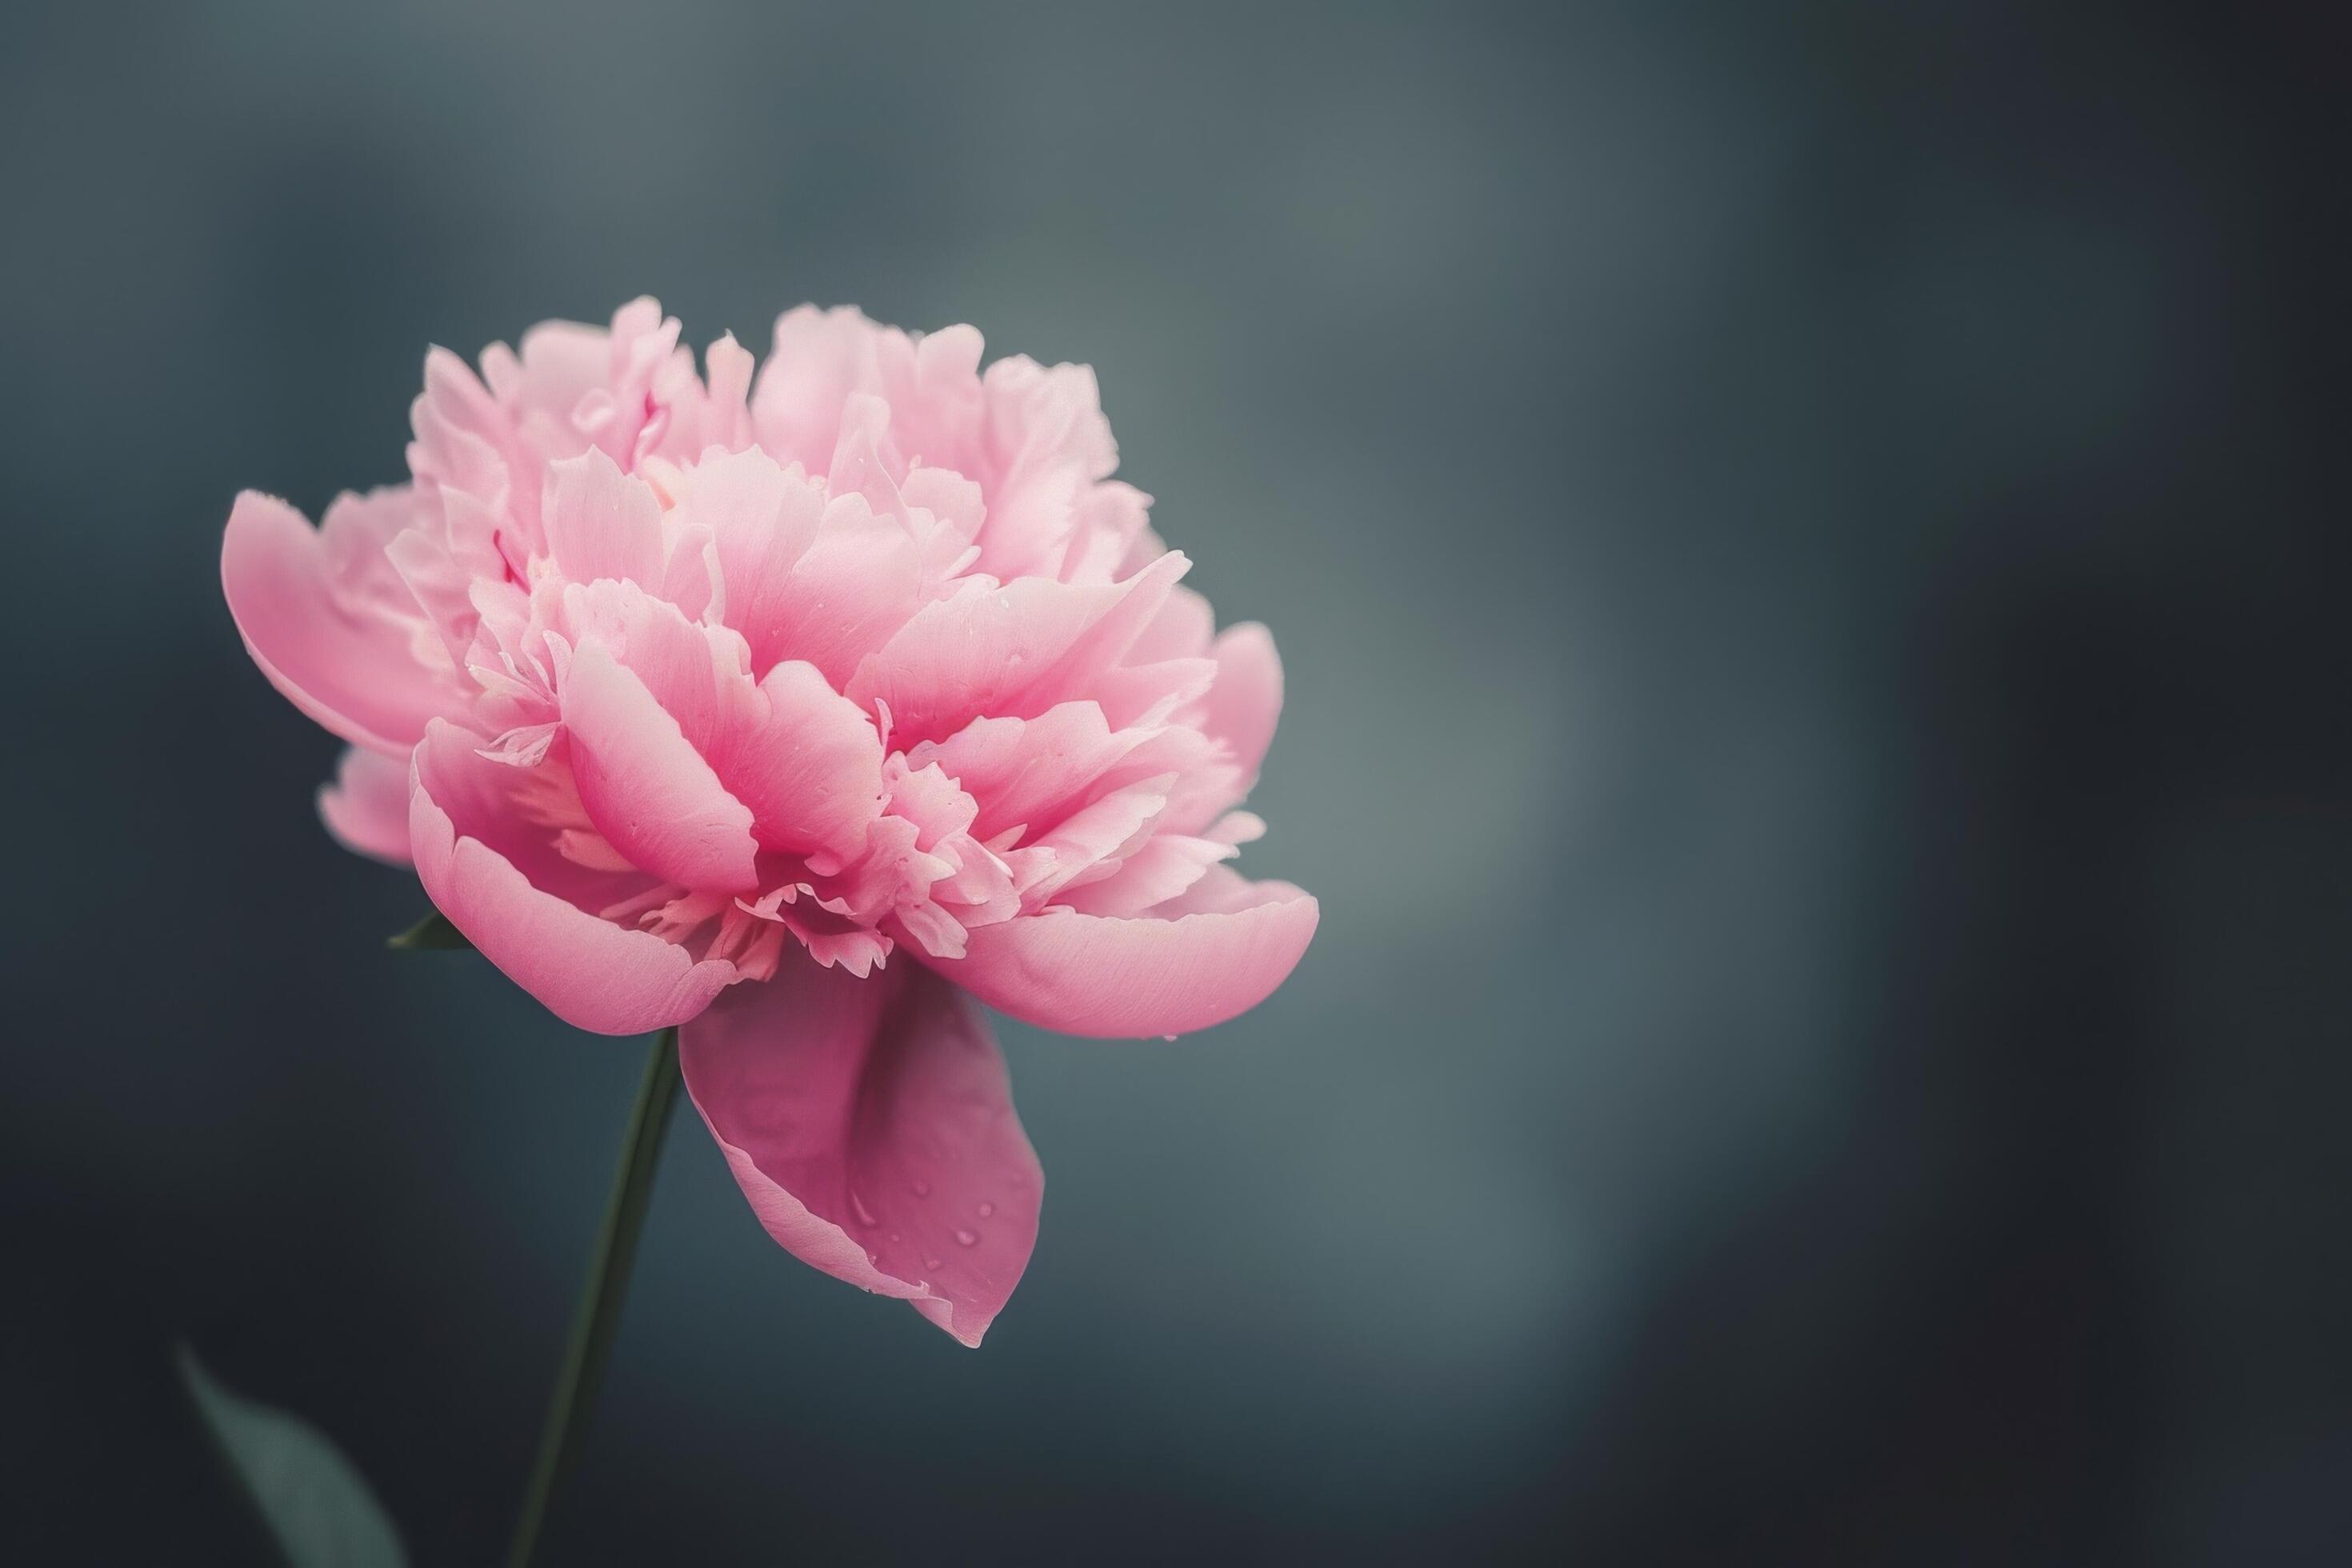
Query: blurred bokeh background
[[1808, 547]]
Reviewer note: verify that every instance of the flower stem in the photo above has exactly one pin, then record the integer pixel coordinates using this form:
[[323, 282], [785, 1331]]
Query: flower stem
[[598, 1317]]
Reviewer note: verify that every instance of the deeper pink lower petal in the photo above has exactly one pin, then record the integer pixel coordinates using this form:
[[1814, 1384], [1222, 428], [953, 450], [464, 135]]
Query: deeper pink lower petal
[[366, 808], [589, 972], [1126, 978], [871, 1126]]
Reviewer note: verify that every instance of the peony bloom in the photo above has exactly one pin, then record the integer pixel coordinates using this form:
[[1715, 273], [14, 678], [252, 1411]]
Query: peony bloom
[[799, 710]]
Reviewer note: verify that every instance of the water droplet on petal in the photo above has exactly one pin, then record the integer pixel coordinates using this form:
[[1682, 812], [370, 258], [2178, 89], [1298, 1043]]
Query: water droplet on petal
[[894, 1236], [857, 1207], [966, 1238], [932, 1264], [985, 1210], [922, 1189]]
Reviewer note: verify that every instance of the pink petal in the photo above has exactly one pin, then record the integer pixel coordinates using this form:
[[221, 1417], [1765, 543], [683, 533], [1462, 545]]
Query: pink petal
[[1010, 650], [1247, 698], [603, 523], [647, 789], [807, 763], [1162, 869], [500, 879], [871, 1126], [696, 672], [1128, 978], [366, 808], [819, 358], [1029, 772], [1105, 831], [320, 612], [847, 594], [1184, 628], [761, 521]]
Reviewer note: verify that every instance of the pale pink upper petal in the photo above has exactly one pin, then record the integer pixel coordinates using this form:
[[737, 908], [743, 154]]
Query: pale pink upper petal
[[1128, 978], [321, 611], [871, 1126], [603, 523], [819, 358], [762, 520], [366, 808], [498, 877]]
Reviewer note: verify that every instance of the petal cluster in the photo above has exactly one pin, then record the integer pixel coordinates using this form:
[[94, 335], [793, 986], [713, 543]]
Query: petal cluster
[[785, 705]]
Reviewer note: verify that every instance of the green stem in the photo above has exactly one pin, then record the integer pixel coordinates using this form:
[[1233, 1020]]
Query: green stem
[[599, 1315]]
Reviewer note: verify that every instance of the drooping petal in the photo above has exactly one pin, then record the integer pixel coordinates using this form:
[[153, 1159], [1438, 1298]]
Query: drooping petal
[[366, 808], [498, 876], [871, 1125], [1128, 978], [320, 611], [648, 790]]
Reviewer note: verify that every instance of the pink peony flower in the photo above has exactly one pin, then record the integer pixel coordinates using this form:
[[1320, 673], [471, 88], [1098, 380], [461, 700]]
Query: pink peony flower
[[798, 711]]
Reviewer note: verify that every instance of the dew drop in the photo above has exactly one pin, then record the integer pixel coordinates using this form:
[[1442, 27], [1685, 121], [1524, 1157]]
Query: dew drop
[[966, 1238], [894, 1237], [985, 1210], [922, 1189], [857, 1207], [932, 1264]]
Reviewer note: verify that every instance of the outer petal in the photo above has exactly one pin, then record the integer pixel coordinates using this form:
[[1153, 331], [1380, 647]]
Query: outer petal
[[1126, 978], [318, 611], [366, 808], [871, 1126], [1247, 698], [474, 847]]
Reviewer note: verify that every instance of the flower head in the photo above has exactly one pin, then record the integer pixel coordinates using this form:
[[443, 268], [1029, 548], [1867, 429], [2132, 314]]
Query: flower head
[[789, 708]]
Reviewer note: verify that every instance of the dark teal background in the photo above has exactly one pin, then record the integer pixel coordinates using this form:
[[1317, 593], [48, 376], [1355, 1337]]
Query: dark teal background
[[1809, 543]]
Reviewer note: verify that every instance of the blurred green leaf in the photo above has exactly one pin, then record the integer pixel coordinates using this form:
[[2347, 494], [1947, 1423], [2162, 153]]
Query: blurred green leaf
[[315, 1503], [433, 933]]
